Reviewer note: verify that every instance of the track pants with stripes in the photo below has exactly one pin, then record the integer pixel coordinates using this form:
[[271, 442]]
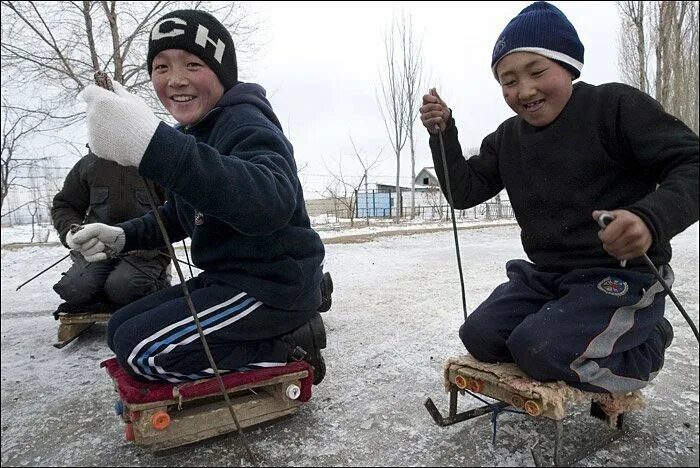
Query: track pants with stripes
[[592, 328], [155, 338]]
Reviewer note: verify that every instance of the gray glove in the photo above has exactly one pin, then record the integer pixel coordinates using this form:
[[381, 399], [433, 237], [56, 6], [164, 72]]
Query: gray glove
[[97, 241]]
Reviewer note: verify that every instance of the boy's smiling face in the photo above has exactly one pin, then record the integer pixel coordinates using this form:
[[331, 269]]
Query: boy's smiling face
[[535, 87], [185, 85]]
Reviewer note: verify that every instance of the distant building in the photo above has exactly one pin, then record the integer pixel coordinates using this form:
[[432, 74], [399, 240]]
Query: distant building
[[380, 201], [427, 177]]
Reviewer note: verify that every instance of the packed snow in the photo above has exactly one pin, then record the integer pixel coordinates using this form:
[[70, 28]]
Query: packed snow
[[394, 321]]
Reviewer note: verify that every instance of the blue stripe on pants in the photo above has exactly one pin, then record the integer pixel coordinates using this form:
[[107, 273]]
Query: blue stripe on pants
[[236, 338]]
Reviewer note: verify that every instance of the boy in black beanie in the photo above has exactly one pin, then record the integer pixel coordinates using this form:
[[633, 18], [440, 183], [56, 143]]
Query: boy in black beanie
[[572, 152], [232, 188]]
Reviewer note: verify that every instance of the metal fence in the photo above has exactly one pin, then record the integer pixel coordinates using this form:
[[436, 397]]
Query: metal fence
[[484, 212]]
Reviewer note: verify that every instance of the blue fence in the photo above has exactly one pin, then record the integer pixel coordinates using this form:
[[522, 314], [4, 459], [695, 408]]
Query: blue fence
[[373, 204]]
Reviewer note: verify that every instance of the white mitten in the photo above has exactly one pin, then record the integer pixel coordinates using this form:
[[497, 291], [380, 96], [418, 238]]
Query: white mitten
[[97, 241], [120, 124]]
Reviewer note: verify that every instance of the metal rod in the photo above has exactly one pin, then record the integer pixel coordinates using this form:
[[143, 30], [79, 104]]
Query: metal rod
[[442, 421], [133, 265], [171, 258], [558, 437], [187, 256], [453, 403], [454, 221], [43, 271], [685, 315], [87, 213], [193, 310]]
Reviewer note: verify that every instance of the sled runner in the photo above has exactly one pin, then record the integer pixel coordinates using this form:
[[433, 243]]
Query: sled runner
[[75, 320], [511, 388], [162, 415]]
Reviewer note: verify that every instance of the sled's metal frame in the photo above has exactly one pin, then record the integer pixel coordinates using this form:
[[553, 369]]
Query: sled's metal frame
[[558, 457]]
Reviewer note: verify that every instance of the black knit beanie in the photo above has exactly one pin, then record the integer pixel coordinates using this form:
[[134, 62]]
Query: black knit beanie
[[201, 34], [542, 29]]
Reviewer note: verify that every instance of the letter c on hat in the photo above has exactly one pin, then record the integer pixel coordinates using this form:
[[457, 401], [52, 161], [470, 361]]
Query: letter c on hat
[[156, 34]]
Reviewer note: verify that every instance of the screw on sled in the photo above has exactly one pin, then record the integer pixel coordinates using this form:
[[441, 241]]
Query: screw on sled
[[74, 320], [511, 388], [162, 415]]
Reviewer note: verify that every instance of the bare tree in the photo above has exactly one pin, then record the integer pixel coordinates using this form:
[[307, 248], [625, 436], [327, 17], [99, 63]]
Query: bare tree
[[393, 105], [633, 61], [32, 209], [412, 53], [18, 125], [52, 49], [434, 199], [366, 166], [40, 204], [56, 47], [659, 53], [342, 191]]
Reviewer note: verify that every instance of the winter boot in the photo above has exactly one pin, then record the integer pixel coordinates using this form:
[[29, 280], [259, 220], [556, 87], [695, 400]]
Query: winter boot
[[326, 292], [306, 342], [666, 330]]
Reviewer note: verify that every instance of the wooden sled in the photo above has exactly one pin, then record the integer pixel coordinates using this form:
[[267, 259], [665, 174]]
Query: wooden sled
[[161, 416], [75, 320], [510, 387]]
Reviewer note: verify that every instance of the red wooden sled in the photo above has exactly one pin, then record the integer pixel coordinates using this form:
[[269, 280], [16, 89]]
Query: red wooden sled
[[164, 415]]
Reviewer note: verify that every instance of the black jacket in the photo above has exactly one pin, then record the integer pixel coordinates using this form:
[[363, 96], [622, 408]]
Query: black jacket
[[111, 192], [232, 187], [608, 149]]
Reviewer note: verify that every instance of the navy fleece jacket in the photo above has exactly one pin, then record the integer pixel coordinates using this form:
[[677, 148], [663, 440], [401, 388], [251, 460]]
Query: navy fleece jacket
[[232, 187]]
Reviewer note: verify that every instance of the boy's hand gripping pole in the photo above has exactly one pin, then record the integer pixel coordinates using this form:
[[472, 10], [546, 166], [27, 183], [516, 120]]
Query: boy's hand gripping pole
[[607, 218]]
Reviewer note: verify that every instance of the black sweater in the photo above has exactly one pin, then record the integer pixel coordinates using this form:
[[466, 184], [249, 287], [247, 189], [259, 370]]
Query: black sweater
[[608, 149]]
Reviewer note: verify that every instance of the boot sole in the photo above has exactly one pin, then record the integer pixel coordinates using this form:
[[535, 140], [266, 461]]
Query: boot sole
[[326, 305]]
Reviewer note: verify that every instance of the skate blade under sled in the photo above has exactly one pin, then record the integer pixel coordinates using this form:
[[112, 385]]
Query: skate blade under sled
[[162, 415], [512, 388], [76, 320]]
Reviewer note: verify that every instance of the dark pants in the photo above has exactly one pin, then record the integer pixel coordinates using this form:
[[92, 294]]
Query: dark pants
[[156, 338], [593, 328], [112, 280]]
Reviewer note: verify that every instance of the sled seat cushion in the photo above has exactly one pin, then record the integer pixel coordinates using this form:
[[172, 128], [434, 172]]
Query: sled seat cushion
[[134, 391]]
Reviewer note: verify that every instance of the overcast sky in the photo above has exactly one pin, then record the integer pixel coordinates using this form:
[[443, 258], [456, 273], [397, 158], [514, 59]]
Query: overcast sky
[[322, 60], [320, 63]]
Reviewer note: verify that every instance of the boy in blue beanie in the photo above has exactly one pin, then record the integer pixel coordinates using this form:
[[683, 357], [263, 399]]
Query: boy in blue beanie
[[571, 154]]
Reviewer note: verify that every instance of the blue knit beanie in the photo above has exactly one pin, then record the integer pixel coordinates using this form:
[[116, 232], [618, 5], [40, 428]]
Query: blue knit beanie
[[542, 29]]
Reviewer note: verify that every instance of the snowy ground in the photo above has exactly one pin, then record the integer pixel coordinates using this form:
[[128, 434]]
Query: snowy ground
[[396, 311]]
